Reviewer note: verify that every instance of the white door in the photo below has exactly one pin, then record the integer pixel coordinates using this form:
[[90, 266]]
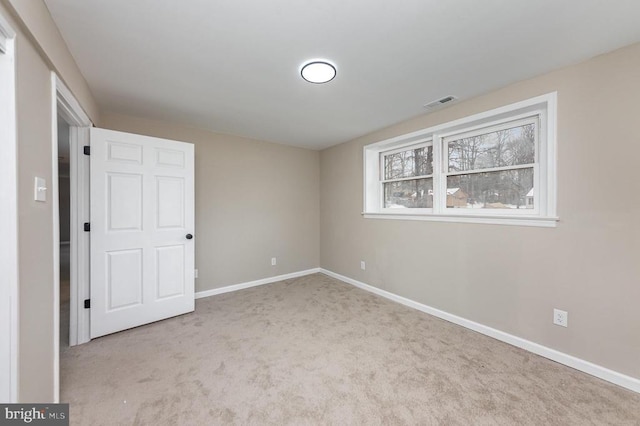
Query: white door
[[142, 225]]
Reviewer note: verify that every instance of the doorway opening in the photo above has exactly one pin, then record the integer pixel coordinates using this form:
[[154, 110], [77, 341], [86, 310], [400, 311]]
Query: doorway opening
[[70, 196], [64, 215]]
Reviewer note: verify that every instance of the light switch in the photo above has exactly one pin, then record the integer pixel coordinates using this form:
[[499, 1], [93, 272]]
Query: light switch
[[40, 189]]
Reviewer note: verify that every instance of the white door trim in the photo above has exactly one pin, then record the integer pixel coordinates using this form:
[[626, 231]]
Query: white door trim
[[79, 248], [9, 216], [64, 103]]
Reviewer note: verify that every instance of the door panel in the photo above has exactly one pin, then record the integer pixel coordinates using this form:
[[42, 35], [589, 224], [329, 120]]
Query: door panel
[[124, 278], [142, 208], [170, 275], [124, 200], [170, 198]]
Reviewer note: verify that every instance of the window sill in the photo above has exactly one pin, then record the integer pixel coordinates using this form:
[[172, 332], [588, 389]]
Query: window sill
[[521, 220]]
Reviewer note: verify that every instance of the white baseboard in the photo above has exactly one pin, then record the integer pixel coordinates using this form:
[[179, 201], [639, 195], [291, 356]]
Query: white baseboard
[[241, 286], [603, 373]]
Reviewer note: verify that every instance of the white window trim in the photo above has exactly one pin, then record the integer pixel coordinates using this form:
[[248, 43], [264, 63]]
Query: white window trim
[[545, 186]]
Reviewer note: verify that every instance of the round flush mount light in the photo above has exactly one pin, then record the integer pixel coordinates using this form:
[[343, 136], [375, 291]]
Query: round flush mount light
[[318, 71]]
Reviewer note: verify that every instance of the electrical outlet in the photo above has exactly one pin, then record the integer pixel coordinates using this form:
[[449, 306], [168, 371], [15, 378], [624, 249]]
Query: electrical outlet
[[363, 265], [195, 274], [561, 318], [273, 261]]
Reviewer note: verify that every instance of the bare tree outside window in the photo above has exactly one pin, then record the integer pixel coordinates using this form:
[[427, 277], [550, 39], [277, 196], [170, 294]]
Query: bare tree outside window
[[408, 181], [499, 166]]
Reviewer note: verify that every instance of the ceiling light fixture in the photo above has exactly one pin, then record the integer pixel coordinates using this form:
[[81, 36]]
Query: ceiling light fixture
[[318, 71]]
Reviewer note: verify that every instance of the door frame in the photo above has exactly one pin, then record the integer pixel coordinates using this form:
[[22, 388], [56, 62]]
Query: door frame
[[9, 214], [63, 103]]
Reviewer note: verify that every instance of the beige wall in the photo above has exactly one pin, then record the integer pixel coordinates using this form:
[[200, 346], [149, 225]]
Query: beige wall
[[46, 38], [35, 226], [35, 220], [511, 277], [254, 201]]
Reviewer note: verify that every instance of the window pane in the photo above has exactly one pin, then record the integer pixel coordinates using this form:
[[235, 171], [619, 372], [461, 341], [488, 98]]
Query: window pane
[[509, 189], [501, 148], [413, 162], [410, 194]]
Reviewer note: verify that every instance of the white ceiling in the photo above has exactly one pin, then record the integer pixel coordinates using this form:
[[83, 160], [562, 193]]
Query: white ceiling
[[232, 66]]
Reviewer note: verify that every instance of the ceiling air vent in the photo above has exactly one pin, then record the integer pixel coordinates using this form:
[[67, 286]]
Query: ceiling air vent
[[439, 102]]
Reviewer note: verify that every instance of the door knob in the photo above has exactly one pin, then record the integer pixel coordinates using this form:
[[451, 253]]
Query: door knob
[[189, 236]]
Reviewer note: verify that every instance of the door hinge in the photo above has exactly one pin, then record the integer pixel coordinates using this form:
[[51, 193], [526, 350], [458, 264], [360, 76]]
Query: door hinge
[[87, 150], [87, 303], [87, 227]]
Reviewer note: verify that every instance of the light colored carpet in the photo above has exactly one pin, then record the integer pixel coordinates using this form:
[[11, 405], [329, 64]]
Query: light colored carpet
[[314, 350]]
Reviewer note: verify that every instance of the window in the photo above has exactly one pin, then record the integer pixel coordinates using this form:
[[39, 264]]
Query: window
[[408, 177], [495, 167], [492, 168]]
